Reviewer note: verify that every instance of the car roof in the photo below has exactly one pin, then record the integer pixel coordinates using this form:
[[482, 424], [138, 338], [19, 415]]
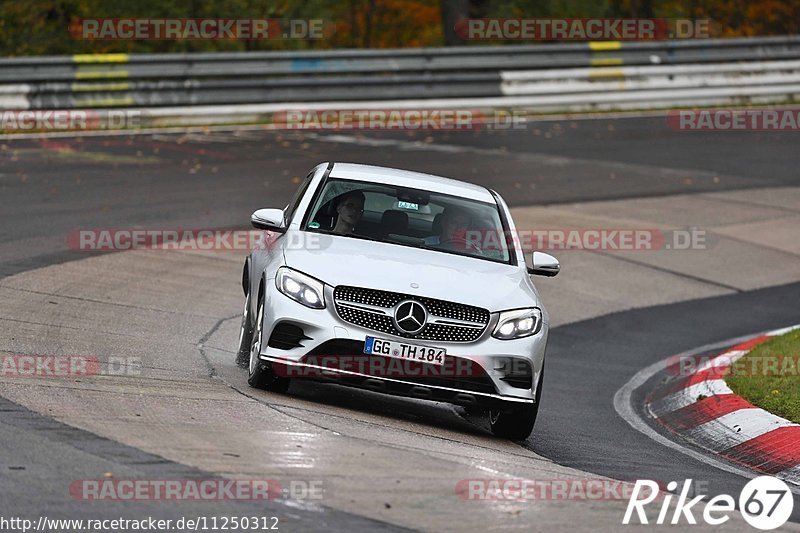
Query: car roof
[[414, 180]]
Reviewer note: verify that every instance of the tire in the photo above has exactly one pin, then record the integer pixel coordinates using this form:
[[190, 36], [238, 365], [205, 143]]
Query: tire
[[245, 336], [260, 374], [516, 421]]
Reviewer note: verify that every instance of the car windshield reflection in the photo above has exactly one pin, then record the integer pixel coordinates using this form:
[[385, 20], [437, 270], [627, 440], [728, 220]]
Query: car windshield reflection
[[409, 217]]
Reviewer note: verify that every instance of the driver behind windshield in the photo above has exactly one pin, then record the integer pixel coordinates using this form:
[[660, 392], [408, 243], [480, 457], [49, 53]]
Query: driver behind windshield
[[455, 222], [349, 211]]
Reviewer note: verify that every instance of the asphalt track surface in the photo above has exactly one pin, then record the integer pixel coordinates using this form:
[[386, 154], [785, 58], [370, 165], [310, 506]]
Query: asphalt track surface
[[589, 361], [50, 187]]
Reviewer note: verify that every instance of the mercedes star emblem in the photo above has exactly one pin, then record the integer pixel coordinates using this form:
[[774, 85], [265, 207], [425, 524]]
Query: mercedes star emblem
[[410, 317]]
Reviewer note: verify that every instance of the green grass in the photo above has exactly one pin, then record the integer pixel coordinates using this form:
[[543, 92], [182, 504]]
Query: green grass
[[769, 376]]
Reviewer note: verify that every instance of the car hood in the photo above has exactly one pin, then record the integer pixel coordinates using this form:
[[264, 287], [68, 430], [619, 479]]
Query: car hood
[[348, 261]]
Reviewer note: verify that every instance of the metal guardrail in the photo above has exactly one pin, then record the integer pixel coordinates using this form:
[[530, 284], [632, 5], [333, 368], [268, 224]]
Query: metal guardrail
[[540, 76]]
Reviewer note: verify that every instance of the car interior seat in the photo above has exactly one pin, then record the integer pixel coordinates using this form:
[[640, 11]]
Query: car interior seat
[[394, 221]]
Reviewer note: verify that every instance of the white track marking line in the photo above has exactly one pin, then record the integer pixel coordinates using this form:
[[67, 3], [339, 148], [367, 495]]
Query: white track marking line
[[623, 404], [782, 331]]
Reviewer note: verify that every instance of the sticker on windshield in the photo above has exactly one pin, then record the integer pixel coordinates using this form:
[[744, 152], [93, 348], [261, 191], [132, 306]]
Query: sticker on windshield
[[407, 205], [314, 225]]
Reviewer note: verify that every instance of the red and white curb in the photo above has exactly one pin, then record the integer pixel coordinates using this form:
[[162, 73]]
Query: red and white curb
[[701, 408]]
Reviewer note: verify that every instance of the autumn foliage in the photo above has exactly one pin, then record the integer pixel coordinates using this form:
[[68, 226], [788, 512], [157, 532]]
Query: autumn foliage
[[37, 27]]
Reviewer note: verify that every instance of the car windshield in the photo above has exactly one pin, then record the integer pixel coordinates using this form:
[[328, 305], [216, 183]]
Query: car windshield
[[409, 217]]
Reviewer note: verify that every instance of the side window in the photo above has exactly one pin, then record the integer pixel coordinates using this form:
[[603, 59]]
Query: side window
[[298, 197]]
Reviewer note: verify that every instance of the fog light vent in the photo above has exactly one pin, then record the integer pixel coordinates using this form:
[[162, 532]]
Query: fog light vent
[[287, 336], [516, 372]]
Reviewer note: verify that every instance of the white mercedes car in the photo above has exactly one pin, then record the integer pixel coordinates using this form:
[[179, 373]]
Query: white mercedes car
[[402, 283]]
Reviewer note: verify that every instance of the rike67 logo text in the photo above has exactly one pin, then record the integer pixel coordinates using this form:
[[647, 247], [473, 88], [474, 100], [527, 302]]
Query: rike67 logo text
[[765, 503]]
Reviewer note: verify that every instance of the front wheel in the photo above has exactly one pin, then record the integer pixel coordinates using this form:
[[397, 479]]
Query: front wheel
[[516, 421], [245, 336], [260, 374]]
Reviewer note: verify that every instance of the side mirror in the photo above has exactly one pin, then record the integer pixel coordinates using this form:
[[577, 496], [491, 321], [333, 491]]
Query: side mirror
[[544, 265], [268, 219]]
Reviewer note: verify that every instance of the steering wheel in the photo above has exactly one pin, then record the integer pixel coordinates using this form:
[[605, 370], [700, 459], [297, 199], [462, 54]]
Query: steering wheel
[[461, 243]]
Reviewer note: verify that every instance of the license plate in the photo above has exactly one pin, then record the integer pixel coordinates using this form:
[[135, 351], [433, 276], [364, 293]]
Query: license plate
[[402, 350]]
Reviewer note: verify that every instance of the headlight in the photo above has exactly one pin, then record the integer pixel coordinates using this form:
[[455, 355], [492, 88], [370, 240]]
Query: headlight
[[518, 323], [301, 288]]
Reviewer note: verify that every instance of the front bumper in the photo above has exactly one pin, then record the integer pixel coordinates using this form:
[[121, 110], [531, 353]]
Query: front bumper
[[489, 381]]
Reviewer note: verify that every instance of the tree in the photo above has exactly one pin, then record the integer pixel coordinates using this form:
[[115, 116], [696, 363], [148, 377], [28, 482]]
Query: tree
[[452, 12]]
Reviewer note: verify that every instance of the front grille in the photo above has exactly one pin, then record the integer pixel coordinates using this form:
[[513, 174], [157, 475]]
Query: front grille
[[367, 320], [373, 309]]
